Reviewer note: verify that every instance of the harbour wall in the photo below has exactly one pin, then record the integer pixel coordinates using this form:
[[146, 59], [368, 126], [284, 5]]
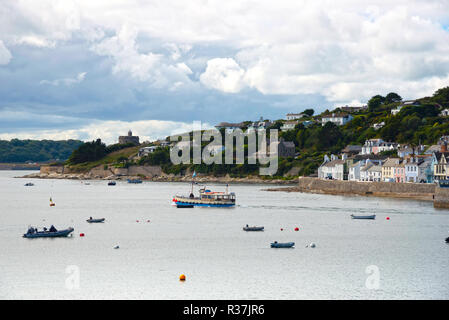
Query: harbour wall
[[378, 189]]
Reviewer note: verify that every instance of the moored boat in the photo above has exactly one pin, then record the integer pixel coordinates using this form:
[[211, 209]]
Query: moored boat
[[111, 183], [370, 217], [91, 220], [29, 184], [247, 228], [282, 244], [33, 233], [207, 198], [134, 181]]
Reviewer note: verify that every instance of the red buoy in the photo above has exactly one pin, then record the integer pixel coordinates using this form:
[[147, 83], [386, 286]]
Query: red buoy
[[388, 218], [81, 234], [137, 220], [296, 229], [282, 229]]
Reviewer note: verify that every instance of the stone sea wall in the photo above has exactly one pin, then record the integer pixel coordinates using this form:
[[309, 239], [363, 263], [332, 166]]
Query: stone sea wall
[[379, 189], [441, 198]]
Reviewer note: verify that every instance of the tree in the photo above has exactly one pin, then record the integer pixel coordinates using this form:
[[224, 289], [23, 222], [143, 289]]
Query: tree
[[392, 97], [375, 102], [309, 112], [441, 96]]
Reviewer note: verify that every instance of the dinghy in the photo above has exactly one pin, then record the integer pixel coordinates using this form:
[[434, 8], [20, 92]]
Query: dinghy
[[282, 245], [371, 217], [91, 220], [247, 228]]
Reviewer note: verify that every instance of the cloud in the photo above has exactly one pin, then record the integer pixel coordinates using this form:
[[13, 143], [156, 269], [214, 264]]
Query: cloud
[[5, 55], [65, 81], [223, 74]]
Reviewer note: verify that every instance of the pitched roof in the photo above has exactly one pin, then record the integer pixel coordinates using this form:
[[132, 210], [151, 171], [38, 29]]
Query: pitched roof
[[391, 162], [333, 163]]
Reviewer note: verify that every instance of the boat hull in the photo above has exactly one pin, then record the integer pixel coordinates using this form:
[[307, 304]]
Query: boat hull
[[253, 228], [283, 245], [95, 220], [189, 202], [372, 217], [48, 234]]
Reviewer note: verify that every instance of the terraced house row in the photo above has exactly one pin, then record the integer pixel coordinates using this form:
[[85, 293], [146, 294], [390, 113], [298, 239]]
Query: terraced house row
[[366, 163]]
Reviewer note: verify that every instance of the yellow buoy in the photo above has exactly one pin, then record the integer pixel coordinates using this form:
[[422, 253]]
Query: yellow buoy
[[182, 277]]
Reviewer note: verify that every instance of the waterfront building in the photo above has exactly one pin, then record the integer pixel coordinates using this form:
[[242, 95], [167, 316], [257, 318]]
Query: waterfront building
[[333, 169], [399, 172], [441, 163], [411, 165], [374, 173], [129, 139], [388, 174], [425, 171]]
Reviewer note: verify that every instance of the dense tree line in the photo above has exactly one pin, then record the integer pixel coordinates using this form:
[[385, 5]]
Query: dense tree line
[[94, 150], [19, 151]]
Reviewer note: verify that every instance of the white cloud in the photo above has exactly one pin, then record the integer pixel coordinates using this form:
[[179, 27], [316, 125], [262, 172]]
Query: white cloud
[[65, 81], [223, 74], [5, 55], [343, 50]]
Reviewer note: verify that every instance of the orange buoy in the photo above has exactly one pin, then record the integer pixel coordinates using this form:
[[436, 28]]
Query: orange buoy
[[182, 277], [81, 234], [296, 229]]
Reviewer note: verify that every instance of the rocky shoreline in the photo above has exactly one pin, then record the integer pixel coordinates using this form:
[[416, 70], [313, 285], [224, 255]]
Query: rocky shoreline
[[160, 178]]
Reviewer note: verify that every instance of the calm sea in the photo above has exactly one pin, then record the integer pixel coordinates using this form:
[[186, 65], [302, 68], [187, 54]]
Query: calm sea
[[404, 257]]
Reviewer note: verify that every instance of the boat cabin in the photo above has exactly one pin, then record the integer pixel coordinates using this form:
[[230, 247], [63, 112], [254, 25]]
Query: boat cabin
[[206, 194]]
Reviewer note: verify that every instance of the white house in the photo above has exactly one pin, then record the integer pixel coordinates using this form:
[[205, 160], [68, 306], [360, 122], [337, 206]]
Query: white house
[[147, 150], [289, 125], [354, 171], [411, 169], [375, 146], [444, 113], [332, 169], [364, 174], [379, 125], [294, 116], [338, 118], [374, 173]]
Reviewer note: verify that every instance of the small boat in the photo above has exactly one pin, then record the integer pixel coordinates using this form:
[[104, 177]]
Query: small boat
[[52, 204], [29, 184], [134, 181], [447, 240], [282, 244], [371, 217], [207, 198], [111, 183], [32, 233], [91, 220], [247, 228], [180, 205]]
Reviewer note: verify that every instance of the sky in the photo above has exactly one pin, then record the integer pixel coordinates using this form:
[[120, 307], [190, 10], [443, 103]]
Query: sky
[[95, 69]]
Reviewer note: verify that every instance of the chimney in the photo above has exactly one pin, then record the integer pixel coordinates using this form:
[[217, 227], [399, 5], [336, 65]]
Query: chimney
[[444, 147]]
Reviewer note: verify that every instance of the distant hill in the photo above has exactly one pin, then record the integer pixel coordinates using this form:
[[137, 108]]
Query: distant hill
[[20, 151]]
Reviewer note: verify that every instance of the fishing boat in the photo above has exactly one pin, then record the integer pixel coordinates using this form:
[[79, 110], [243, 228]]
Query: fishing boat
[[247, 228], [282, 244], [33, 233], [206, 198], [111, 183], [134, 181], [371, 217], [52, 204], [91, 220]]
